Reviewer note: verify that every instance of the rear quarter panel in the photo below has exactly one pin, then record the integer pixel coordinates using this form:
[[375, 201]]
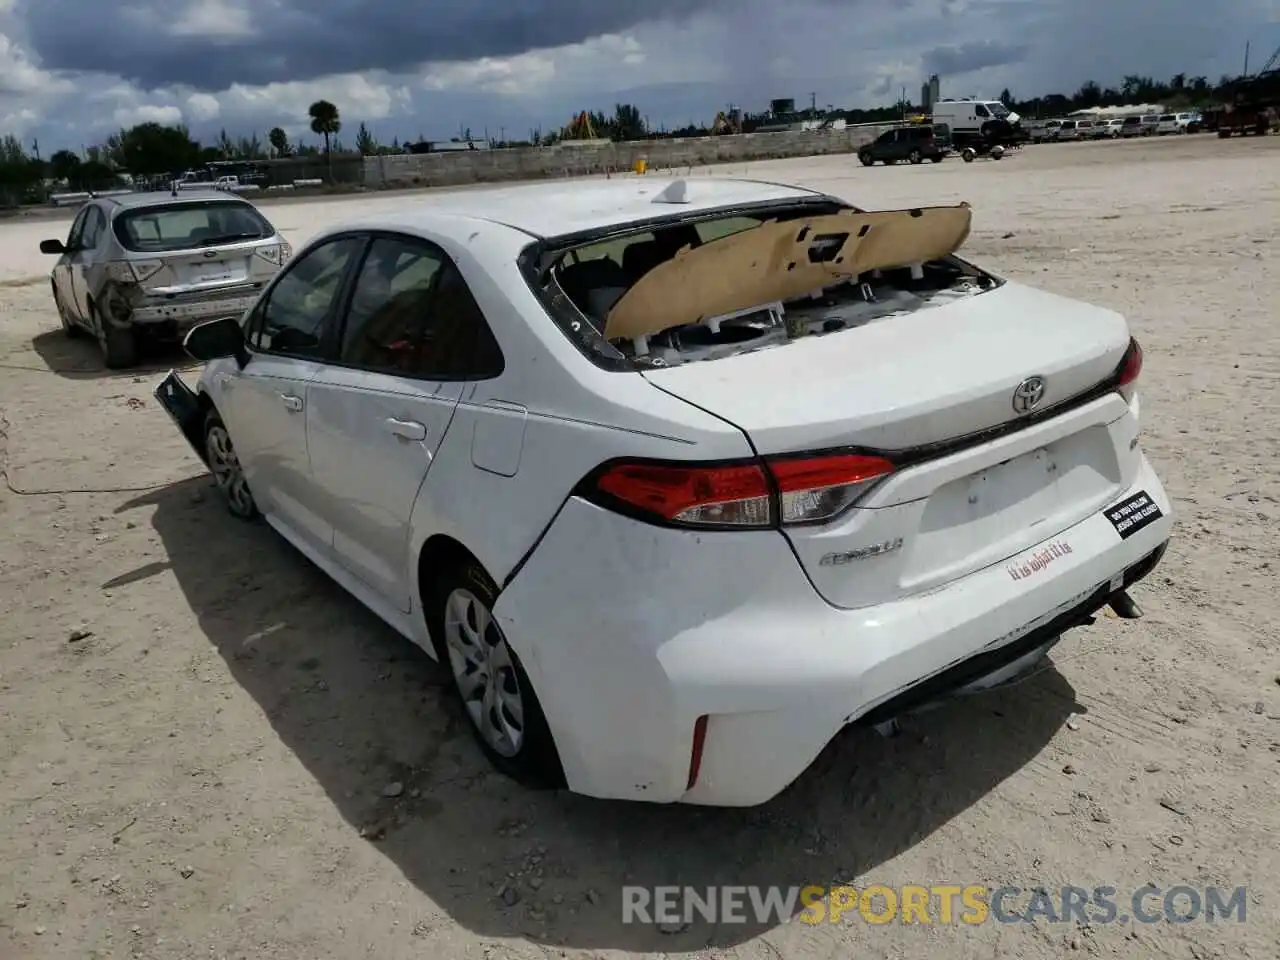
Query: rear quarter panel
[[575, 417]]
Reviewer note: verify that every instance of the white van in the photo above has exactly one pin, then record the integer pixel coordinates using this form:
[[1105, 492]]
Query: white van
[[968, 116]]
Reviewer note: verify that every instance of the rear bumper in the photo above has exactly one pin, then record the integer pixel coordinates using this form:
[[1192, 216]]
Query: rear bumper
[[188, 312], [630, 634]]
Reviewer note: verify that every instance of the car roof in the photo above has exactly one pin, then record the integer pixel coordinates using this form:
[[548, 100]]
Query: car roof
[[558, 209], [151, 198]]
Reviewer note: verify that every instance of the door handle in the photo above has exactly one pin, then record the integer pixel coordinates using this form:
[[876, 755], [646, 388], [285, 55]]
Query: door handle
[[291, 403], [406, 429]]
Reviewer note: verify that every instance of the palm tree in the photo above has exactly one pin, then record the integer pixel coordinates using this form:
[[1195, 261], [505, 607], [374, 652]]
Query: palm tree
[[325, 121]]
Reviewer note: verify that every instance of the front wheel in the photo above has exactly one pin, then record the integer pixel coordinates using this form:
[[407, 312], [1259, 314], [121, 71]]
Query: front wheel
[[915, 156], [866, 159], [225, 466], [69, 326], [497, 695]]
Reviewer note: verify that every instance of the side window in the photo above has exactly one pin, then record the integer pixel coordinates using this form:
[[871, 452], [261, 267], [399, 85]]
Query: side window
[[886, 137], [294, 317], [980, 111], [76, 232], [413, 315], [93, 228]]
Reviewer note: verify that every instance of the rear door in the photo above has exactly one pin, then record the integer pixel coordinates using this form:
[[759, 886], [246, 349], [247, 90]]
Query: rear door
[[412, 339], [264, 404]]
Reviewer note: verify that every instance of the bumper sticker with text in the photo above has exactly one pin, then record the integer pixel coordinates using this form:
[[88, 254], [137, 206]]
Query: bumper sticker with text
[[1131, 515]]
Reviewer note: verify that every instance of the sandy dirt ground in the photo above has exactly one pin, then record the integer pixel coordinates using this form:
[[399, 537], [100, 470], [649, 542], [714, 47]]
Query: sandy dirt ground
[[198, 731]]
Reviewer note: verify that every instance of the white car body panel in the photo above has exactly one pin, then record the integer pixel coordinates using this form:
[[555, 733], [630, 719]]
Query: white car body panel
[[632, 631]]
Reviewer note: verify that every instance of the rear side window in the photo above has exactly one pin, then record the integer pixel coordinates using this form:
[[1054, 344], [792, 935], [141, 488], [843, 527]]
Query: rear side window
[[412, 314], [183, 226]]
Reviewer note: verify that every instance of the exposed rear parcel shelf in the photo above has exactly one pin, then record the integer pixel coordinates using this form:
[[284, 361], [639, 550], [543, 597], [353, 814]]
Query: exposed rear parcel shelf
[[911, 417]]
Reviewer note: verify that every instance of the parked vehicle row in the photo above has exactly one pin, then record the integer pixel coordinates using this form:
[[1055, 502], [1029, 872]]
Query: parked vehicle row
[[1114, 128], [669, 536]]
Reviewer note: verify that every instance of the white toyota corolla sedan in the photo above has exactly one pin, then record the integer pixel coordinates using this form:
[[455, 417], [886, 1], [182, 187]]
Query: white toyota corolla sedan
[[682, 478]]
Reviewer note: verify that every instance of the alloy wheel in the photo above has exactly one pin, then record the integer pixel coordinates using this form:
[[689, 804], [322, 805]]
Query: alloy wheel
[[483, 669]]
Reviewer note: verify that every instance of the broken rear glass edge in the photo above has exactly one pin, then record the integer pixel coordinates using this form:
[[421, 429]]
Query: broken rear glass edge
[[838, 307]]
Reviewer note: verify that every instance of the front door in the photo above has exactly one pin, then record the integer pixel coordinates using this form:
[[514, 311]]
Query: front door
[[81, 260], [63, 287], [412, 339], [265, 403]]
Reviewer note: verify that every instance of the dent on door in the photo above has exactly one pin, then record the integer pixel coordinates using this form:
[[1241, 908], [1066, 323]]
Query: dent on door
[[497, 439]]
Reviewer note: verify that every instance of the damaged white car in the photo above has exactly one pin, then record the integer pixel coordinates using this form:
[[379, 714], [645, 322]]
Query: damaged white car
[[154, 264], [680, 480]]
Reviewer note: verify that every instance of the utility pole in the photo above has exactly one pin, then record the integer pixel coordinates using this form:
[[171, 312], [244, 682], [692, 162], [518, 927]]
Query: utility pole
[[813, 105], [1246, 59]]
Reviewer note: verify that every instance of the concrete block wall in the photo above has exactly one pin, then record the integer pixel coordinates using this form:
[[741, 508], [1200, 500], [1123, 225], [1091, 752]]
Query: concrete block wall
[[567, 160]]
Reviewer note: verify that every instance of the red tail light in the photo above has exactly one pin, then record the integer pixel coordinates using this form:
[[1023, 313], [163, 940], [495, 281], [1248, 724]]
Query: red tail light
[[786, 490], [1131, 365]]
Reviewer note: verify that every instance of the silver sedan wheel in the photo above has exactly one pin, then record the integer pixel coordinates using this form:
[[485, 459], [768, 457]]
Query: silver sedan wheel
[[227, 472], [486, 677]]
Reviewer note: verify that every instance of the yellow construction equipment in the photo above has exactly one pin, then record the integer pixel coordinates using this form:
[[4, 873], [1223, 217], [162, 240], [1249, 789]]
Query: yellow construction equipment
[[726, 124], [580, 128]]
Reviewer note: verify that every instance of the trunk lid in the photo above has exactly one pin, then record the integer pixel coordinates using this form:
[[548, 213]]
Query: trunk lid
[[209, 268], [929, 378]]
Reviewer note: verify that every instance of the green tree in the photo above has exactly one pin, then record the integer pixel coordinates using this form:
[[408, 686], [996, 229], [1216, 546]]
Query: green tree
[[628, 124], [279, 141], [150, 148], [65, 165], [326, 122], [366, 143]]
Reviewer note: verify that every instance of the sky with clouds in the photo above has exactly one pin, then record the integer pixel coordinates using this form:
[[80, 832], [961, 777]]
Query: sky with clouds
[[72, 71]]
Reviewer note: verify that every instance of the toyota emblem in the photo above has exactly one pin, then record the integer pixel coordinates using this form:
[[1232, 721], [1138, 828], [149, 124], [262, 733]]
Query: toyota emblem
[[1028, 395]]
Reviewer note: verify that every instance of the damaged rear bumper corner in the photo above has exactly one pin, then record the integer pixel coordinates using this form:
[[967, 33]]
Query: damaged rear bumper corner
[[183, 407]]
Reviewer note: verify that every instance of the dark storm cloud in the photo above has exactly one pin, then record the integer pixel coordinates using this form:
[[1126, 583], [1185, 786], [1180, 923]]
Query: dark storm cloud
[[305, 39], [968, 57]]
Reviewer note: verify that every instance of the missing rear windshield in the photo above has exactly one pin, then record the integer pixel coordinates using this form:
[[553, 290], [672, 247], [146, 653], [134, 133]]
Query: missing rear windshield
[[189, 225], [594, 286]]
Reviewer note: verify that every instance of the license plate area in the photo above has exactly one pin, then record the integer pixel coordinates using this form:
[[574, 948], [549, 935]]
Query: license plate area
[[1002, 509], [208, 272]]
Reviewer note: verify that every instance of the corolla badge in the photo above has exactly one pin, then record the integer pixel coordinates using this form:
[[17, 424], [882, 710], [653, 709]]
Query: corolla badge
[[862, 553]]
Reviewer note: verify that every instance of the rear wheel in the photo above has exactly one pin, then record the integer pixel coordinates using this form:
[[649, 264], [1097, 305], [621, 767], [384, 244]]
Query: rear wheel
[[915, 156], [119, 345], [497, 695], [226, 469]]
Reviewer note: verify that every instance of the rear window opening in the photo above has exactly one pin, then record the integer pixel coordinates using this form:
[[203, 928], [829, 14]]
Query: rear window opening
[[190, 225], [580, 283]]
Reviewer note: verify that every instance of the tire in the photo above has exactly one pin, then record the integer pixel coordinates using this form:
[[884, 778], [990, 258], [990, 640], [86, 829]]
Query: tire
[[225, 467], [968, 155], [119, 345], [69, 327], [915, 156], [866, 159], [471, 646]]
